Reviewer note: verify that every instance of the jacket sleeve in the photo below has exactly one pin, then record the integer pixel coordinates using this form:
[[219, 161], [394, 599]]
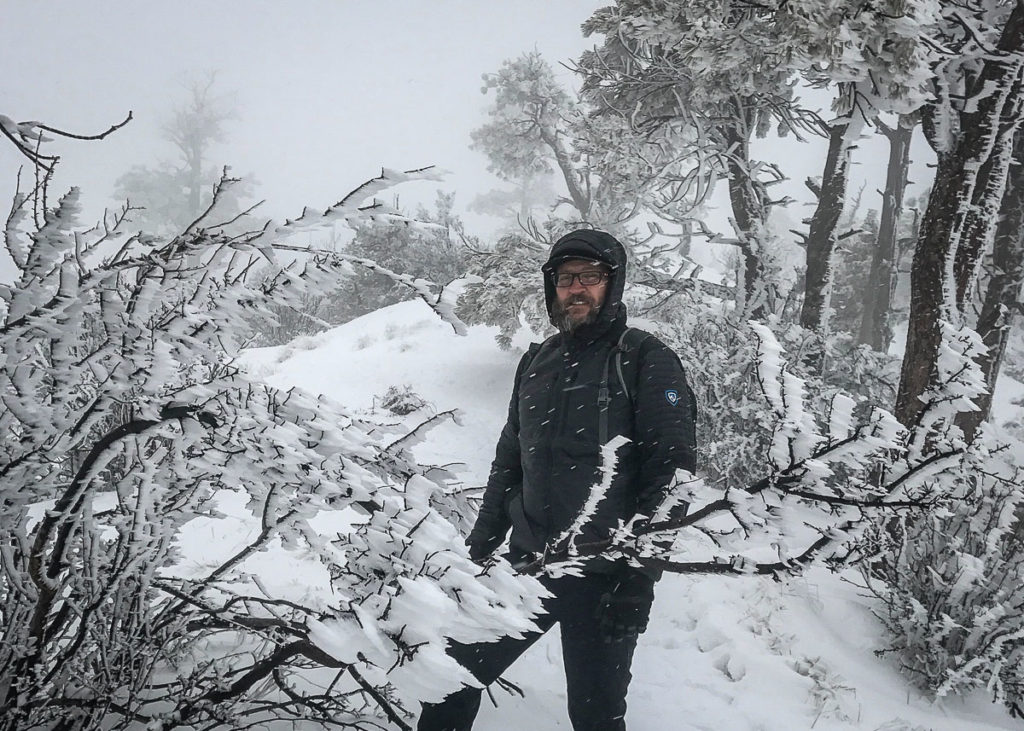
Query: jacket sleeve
[[665, 423], [505, 480]]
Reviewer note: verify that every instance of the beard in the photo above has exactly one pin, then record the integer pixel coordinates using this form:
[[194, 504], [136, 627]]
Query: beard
[[563, 318]]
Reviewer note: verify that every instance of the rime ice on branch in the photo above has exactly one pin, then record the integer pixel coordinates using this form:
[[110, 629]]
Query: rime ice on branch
[[130, 431]]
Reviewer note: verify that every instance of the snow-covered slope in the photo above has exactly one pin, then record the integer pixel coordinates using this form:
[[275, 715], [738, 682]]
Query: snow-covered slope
[[721, 653]]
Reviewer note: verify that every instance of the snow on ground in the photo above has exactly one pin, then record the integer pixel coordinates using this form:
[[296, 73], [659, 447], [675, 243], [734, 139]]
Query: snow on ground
[[721, 653], [406, 344]]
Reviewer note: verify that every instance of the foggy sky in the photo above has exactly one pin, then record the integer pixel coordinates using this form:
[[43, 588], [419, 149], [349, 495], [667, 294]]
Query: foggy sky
[[326, 92]]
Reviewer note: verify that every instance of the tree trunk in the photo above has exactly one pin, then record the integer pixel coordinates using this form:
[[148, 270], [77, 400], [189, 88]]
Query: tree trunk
[[961, 213], [580, 198], [981, 223], [875, 330], [1003, 293], [821, 238], [748, 209], [195, 182]]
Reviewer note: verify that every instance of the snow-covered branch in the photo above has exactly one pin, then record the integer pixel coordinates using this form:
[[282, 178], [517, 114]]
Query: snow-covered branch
[[132, 436], [823, 486], [27, 137]]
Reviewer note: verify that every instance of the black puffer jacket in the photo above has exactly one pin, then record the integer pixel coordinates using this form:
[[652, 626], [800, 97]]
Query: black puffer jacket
[[548, 455]]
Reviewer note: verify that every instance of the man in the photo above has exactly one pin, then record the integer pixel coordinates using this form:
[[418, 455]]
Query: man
[[583, 386]]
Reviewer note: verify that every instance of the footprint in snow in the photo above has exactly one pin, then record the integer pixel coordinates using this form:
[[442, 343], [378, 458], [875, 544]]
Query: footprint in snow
[[708, 638], [730, 666]]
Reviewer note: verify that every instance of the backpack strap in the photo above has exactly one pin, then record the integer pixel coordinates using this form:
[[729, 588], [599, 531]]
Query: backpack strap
[[531, 354], [630, 339]]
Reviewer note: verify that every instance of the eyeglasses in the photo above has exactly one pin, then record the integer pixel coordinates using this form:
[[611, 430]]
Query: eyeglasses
[[587, 279]]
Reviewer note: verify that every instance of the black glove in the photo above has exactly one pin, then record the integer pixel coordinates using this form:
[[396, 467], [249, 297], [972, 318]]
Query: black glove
[[623, 612], [478, 552]]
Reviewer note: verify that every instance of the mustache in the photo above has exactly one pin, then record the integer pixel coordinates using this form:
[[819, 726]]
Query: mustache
[[578, 299]]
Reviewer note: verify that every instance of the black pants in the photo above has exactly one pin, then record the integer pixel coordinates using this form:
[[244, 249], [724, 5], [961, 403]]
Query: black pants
[[596, 671]]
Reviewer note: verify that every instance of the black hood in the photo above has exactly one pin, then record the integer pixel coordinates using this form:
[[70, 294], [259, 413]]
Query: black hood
[[595, 246]]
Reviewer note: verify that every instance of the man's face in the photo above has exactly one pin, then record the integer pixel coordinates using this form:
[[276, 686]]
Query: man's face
[[577, 303]]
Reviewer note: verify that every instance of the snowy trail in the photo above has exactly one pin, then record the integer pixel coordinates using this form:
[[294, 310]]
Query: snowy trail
[[721, 653]]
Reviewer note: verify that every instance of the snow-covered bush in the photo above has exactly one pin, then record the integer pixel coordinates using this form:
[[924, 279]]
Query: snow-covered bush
[[510, 289], [721, 360], [428, 251], [401, 401], [950, 588], [183, 547], [948, 576], [733, 419]]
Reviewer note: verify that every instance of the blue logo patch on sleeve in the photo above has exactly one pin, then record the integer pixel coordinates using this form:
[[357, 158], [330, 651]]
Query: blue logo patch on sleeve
[[672, 396]]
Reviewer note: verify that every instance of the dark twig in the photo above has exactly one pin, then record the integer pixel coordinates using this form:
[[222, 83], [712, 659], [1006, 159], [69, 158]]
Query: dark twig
[[386, 706], [100, 136]]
